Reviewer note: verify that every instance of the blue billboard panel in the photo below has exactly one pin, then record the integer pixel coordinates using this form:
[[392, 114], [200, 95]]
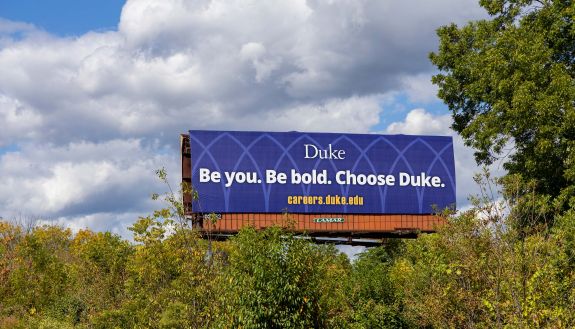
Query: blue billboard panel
[[294, 172]]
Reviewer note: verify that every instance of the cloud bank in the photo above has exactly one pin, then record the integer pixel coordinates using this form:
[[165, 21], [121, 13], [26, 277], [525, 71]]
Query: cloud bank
[[88, 119]]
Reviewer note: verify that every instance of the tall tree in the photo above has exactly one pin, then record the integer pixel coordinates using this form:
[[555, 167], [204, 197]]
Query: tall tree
[[510, 80]]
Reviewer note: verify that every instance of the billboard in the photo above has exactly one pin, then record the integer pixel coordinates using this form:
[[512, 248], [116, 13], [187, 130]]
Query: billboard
[[295, 172]]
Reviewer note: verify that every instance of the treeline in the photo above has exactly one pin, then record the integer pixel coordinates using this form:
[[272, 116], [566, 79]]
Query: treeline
[[501, 264]]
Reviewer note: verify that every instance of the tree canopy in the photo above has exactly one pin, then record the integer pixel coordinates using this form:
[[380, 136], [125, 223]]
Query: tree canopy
[[509, 81], [477, 271]]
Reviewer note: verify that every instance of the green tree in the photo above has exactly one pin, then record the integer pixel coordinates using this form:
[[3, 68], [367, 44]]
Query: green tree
[[377, 302], [170, 282], [481, 270], [41, 273], [37, 278], [99, 269], [277, 280], [510, 80]]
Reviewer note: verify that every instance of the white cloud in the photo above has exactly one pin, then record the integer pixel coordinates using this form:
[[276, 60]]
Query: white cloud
[[419, 88], [81, 178], [177, 64], [19, 121], [94, 115], [354, 114], [254, 52], [420, 122]]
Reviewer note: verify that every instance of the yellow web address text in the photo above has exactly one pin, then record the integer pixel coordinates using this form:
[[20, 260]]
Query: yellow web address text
[[355, 200]]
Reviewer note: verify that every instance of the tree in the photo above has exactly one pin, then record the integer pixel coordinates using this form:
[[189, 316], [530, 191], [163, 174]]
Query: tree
[[510, 80], [277, 280], [480, 271], [170, 282], [377, 302], [99, 262]]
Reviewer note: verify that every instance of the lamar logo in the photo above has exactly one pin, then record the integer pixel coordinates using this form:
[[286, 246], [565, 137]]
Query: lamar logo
[[328, 220]]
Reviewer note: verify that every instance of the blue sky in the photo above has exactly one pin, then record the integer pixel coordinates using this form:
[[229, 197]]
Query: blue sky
[[89, 86], [65, 17]]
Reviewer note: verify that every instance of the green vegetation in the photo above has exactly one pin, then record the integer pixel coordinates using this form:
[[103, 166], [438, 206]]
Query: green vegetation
[[481, 269], [510, 80]]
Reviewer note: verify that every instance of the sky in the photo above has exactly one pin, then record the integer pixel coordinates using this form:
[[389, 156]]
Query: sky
[[94, 94]]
